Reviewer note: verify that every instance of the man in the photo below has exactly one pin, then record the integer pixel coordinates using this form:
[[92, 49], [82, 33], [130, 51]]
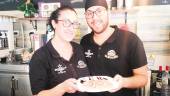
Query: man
[[113, 52]]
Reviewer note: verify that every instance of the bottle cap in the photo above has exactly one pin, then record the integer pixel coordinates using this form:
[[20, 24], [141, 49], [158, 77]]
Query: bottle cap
[[167, 68], [160, 68]]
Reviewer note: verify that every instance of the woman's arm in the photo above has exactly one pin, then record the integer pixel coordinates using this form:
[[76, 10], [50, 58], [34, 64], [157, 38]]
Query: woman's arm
[[59, 90]]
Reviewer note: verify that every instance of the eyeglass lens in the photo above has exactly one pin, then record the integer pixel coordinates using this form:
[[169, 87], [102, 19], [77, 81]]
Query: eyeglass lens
[[68, 23], [90, 14]]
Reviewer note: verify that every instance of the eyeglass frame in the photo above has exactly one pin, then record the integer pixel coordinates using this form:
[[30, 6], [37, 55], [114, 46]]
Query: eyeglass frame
[[66, 24], [99, 10]]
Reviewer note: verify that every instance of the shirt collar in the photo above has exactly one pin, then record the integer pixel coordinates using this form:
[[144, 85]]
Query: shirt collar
[[52, 50], [54, 53], [111, 39]]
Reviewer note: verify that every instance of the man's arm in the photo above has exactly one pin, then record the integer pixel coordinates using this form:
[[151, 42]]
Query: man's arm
[[139, 79]]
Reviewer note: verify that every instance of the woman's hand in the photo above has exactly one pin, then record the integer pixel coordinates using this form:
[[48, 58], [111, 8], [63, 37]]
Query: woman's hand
[[69, 85]]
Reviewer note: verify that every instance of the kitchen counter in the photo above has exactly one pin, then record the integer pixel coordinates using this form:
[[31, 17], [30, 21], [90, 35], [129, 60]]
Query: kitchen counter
[[14, 67], [15, 78]]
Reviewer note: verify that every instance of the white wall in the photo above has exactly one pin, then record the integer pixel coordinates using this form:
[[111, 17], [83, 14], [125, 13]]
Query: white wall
[[152, 25]]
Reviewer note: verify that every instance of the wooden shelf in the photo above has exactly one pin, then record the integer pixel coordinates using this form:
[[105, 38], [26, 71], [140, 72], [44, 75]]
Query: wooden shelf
[[36, 18]]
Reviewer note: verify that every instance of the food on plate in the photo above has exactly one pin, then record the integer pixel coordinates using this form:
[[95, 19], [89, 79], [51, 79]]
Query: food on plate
[[96, 83]]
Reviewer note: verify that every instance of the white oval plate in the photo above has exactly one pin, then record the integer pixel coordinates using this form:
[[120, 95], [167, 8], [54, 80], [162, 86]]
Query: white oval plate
[[96, 84]]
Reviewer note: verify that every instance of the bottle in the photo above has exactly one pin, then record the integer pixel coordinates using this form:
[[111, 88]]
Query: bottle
[[159, 82], [0, 43], [169, 76], [5, 39], [120, 4], [27, 13], [0, 40], [165, 82]]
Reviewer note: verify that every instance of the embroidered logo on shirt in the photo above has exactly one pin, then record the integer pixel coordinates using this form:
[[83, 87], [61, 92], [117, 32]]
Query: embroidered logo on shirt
[[60, 69], [111, 54], [81, 64], [88, 53]]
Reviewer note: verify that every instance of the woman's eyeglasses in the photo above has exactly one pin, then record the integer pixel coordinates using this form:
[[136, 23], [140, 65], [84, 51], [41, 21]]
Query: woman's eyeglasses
[[68, 23]]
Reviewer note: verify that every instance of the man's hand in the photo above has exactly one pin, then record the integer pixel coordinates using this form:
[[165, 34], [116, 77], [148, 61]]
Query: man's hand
[[118, 83]]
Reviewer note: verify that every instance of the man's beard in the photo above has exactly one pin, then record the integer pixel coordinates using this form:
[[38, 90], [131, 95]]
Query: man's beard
[[104, 28]]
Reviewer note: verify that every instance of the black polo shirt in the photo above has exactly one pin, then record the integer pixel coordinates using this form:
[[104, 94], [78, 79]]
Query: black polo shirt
[[48, 69], [120, 54]]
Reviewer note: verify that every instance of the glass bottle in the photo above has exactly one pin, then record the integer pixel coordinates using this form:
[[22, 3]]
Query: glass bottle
[[165, 82], [159, 82], [27, 13]]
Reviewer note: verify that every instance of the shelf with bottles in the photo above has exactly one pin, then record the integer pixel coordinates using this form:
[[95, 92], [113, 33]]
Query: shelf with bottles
[[3, 39], [6, 35]]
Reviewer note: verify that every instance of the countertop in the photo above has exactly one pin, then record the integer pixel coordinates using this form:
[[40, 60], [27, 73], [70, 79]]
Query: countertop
[[14, 67]]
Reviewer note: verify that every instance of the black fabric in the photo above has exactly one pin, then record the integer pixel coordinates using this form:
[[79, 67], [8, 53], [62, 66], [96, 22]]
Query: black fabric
[[90, 3], [44, 68], [128, 51]]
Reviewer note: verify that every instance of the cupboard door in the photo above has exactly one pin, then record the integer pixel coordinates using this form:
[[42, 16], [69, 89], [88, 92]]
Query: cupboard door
[[22, 87], [5, 84], [14, 84]]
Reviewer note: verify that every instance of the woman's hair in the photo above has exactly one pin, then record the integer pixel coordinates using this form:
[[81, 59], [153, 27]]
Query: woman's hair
[[55, 14]]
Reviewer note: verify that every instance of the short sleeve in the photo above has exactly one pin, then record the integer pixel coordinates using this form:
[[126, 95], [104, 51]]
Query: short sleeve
[[37, 73], [137, 53]]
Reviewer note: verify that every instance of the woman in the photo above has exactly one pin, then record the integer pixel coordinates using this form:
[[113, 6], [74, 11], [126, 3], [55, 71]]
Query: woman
[[55, 66]]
